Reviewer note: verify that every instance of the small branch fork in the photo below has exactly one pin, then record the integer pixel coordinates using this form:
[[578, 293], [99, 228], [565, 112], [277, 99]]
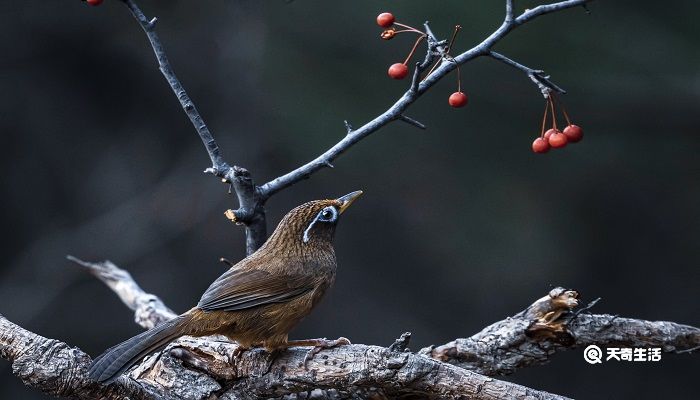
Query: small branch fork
[[210, 368], [537, 76], [252, 197]]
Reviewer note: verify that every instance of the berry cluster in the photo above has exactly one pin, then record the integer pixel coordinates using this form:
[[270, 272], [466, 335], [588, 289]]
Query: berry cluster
[[553, 137], [400, 70]]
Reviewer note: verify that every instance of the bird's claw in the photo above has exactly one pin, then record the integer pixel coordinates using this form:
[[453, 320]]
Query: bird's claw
[[322, 344], [237, 353]]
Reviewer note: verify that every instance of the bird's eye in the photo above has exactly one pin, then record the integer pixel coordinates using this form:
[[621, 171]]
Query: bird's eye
[[328, 214]]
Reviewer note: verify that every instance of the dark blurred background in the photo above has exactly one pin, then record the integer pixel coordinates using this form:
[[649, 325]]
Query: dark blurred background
[[461, 225]]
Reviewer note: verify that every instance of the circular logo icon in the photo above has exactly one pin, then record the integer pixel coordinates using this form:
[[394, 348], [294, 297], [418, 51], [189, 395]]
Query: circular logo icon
[[593, 354]]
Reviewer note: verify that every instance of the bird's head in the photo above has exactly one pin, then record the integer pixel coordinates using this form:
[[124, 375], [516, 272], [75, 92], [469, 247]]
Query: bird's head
[[314, 222]]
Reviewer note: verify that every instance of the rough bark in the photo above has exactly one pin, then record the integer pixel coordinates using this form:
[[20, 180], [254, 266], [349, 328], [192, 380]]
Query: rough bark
[[56, 368], [204, 368], [549, 326], [208, 368]]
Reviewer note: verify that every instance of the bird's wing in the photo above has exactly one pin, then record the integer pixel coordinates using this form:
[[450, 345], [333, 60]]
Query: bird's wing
[[242, 289]]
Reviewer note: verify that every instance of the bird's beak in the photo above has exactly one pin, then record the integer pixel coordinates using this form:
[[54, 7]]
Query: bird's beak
[[346, 200]]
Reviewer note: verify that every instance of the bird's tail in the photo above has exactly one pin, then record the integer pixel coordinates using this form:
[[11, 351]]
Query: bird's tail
[[119, 358]]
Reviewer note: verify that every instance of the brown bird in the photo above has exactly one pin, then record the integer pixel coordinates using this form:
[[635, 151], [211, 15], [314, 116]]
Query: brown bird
[[259, 299]]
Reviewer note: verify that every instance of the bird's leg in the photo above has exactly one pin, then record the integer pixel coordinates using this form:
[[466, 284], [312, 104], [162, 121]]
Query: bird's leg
[[238, 351], [318, 345]]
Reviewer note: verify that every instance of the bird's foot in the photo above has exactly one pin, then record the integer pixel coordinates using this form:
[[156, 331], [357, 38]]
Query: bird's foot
[[318, 345]]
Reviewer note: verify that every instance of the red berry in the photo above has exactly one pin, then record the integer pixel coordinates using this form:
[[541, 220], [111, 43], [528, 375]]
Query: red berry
[[558, 140], [385, 20], [540, 145], [398, 71], [549, 133], [573, 133], [458, 99], [95, 2]]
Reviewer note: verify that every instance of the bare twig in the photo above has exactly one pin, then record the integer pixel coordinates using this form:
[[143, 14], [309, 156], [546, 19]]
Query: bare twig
[[412, 121], [536, 75], [531, 14], [509, 11], [252, 198], [219, 166], [411, 96], [251, 212], [149, 310]]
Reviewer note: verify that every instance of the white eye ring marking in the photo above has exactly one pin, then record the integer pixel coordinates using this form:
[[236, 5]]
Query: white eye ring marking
[[328, 214]]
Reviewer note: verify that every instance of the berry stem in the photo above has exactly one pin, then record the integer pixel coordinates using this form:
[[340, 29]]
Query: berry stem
[[452, 39], [544, 118], [554, 114], [410, 28], [563, 109], [435, 65], [459, 79], [447, 53], [413, 50]]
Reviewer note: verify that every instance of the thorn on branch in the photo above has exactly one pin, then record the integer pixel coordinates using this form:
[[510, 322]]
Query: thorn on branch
[[537, 76], [411, 121], [544, 84], [152, 23], [415, 80], [691, 350], [226, 261], [587, 307], [348, 127]]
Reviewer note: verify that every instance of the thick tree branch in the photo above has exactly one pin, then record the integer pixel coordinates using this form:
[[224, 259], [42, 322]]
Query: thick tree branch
[[347, 368], [57, 369], [549, 326], [252, 198], [197, 368], [200, 368]]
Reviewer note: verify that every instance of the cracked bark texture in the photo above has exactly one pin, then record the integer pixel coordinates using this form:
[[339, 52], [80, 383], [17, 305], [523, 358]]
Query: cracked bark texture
[[208, 368], [202, 368], [549, 326], [56, 368]]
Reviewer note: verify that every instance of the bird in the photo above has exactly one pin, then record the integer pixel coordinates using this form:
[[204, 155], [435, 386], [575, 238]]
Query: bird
[[259, 299]]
